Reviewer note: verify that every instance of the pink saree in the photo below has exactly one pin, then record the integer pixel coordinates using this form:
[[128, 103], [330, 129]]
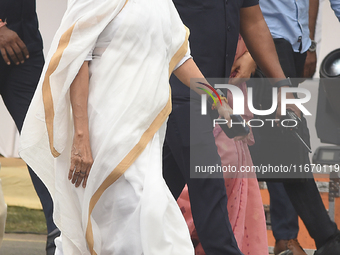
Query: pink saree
[[245, 206]]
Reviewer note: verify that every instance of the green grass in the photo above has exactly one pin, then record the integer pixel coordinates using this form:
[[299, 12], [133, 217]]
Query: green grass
[[24, 220]]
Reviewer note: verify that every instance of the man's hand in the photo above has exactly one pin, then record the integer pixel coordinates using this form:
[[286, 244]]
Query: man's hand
[[242, 69], [12, 47], [310, 65], [292, 107]]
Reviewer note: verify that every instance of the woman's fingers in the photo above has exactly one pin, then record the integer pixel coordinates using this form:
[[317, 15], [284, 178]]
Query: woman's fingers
[[76, 172], [79, 170], [81, 161], [71, 171], [241, 138], [75, 168], [84, 172], [86, 176], [80, 178]]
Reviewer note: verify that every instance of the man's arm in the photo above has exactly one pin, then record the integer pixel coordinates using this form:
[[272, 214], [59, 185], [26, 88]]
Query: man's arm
[[258, 39], [310, 64], [260, 44]]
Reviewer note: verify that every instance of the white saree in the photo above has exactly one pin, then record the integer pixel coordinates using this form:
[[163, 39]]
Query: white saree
[[126, 208]]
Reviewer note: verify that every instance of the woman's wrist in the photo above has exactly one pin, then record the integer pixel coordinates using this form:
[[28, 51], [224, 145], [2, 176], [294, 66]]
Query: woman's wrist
[[81, 134]]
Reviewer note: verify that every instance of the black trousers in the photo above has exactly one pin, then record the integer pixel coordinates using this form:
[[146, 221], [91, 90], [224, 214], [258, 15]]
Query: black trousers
[[208, 197], [17, 87], [303, 195]]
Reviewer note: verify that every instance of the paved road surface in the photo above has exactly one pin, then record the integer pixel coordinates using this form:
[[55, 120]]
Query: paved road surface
[[23, 244]]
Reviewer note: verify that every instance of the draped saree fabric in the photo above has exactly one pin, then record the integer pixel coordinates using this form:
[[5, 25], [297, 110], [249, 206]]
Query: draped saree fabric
[[136, 45]]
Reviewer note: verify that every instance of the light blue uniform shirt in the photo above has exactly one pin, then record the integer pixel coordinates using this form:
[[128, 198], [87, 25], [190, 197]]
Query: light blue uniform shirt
[[288, 19], [336, 7]]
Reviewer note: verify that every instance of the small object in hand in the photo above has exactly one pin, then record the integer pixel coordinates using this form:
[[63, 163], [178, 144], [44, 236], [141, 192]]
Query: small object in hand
[[240, 128], [237, 129], [223, 98], [76, 171]]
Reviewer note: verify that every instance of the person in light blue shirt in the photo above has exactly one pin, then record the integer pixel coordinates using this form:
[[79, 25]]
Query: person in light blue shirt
[[289, 24], [288, 19], [335, 4]]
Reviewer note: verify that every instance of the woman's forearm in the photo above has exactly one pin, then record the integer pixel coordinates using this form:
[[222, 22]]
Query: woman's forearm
[[81, 155], [187, 71], [79, 91]]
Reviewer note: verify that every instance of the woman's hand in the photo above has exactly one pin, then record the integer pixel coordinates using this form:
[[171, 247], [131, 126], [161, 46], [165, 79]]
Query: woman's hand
[[81, 160], [243, 138], [225, 111]]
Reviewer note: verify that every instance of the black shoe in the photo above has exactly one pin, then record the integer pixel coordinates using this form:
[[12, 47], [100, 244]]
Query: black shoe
[[332, 247], [50, 245], [288, 247]]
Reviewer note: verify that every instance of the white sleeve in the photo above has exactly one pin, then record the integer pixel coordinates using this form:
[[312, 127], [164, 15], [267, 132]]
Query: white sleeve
[[89, 56], [185, 58]]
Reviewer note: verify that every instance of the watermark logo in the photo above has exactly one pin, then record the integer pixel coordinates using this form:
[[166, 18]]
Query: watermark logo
[[238, 99], [239, 105], [204, 97]]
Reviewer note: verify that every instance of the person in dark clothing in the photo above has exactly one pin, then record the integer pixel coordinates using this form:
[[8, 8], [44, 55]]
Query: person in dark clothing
[[292, 27], [214, 30]]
